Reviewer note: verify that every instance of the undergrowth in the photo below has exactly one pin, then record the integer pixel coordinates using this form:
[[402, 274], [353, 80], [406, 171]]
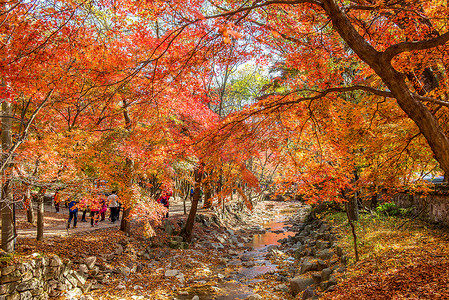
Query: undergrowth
[[400, 258], [381, 235]]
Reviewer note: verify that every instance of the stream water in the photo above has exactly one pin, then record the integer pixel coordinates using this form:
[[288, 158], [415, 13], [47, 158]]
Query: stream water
[[249, 265]]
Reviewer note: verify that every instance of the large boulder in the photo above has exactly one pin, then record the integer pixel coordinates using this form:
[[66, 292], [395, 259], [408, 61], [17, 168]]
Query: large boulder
[[254, 297], [308, 265], [321, 245], [300, 284], [168, 227], [325, 274], [28, 285], [325, 254], [171, 273], [73, 293]]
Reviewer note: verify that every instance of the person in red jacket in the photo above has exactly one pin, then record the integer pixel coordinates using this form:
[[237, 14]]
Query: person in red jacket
[[56, 200], [164, 200], [95, 207]]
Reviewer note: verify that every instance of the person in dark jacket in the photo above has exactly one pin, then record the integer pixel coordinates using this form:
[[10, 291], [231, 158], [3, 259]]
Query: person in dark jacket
[[73, 212]]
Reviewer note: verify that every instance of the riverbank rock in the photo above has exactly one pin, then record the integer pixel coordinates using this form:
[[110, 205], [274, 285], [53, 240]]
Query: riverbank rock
[[254, 297], [171, 273], [308, 293], [315, 247], [300, 284], [177, 242]]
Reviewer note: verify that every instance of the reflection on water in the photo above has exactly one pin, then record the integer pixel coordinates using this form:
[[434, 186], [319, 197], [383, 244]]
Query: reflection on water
[[260, 243], [253, 272], [257, 264], [269, 237]]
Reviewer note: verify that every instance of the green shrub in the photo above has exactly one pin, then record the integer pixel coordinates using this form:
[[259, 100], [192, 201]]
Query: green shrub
[[391, 209], [6, 258], [405, 211]]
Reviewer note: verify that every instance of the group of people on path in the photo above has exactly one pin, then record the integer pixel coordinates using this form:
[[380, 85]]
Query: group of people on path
[[98, 207]]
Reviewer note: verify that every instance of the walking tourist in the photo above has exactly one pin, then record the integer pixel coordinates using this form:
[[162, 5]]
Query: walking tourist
[[73, 212], [113, 206]]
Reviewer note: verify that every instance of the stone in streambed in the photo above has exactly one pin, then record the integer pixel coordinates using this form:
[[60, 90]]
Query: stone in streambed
[[300, 284], [254, 297], [308, 293], [171, 273], [325, 274]]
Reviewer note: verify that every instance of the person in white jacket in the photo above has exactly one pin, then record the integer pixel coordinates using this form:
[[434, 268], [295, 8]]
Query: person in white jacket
[[113, 204]]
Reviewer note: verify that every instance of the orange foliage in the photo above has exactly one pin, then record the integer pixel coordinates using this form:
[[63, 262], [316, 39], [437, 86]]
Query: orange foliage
[[119, 92]]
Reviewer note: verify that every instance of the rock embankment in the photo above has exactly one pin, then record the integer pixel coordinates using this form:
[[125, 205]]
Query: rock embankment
[[319, 256], [45, 277]]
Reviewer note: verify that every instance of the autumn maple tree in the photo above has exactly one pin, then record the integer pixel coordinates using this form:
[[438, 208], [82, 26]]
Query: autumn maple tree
[[363, 89], [86, 82], [356, 87]]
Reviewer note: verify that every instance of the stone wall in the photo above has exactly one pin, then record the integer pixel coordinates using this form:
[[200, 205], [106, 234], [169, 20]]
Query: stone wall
[[43, 277], [433, 207]]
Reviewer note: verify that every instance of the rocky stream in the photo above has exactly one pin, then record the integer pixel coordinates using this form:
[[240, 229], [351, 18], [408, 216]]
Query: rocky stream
[[275, 255], [268, 253]]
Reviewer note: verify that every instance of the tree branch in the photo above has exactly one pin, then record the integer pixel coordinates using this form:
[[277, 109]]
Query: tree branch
[[393, 7], [248, 8], [396, 49], [433, 100], [230, 124], [320, 94], [24, 134], [369, 89]]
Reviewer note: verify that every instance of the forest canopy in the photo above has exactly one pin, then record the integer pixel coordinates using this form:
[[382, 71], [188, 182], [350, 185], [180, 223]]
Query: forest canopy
[[318, 97]]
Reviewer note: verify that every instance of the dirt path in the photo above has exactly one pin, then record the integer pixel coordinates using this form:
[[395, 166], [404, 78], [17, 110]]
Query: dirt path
[[55, 224]]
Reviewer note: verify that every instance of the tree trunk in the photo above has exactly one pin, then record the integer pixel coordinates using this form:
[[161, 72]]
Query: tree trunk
[[352, 207], [221, 199], [380, 62], [40, 215], [29, 205], [374, 201], [7, 219], [6, 197], [125, 224], [185, 198], [207, 195], [187, 230], [184, 204], [354, 234]]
